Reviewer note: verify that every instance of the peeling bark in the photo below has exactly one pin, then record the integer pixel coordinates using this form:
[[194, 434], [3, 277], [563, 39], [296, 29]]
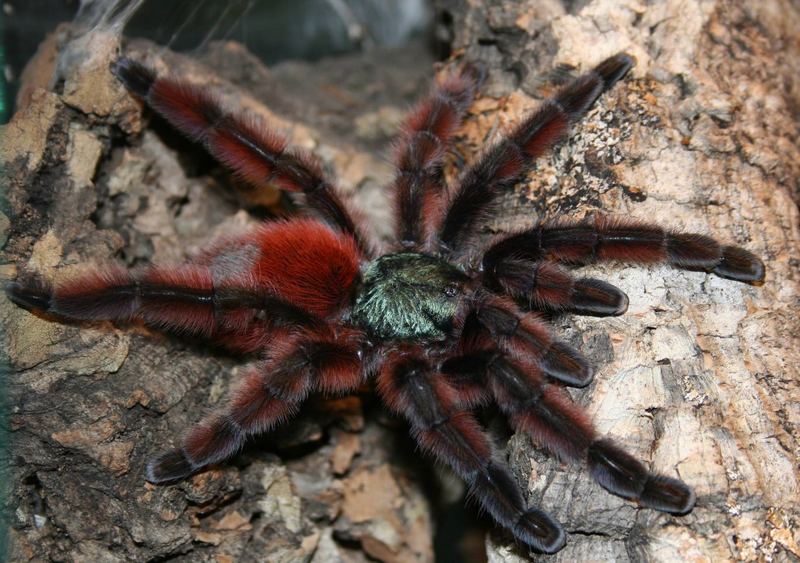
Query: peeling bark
[[700, 377], [88, 180]]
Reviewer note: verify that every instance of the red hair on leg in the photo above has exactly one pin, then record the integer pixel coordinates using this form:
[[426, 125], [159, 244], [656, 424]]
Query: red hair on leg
[[266, 397], [407, 384], [547, 415], [244, 143], [421, 149], [526, 336]]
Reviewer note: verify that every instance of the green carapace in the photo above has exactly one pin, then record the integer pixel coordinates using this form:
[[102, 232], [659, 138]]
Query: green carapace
[[409, 296]]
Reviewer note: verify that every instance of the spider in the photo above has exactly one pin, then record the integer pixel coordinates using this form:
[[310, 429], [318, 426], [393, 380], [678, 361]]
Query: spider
[[444, 323]]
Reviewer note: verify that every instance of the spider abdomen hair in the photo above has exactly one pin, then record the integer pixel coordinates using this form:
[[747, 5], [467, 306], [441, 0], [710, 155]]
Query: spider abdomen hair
[[307, 264]]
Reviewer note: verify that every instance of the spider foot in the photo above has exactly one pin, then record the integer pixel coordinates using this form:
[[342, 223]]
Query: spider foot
[[567, 365], [597, 298], [499, 493], [169, 467], [476, 72], [614, 69], [134, 76], [740, 265], [621, 474], [32, 294], [667, 495], [540, 531]]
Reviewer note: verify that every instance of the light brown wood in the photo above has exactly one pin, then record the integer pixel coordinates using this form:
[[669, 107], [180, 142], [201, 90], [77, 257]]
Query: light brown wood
[[91, 403], [700, 377]]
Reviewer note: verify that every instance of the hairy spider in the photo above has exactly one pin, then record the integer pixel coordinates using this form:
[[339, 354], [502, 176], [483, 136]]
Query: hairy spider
[[443, 324]]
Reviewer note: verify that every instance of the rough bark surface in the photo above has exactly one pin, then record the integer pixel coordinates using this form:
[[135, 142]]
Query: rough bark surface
[[88, 181], [700, 378]]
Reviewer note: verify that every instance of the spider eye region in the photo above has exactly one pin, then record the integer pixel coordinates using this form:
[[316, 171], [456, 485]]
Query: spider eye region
[[409, 296]]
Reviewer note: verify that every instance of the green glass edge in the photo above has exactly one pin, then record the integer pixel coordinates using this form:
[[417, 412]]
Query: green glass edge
[[5, 437]]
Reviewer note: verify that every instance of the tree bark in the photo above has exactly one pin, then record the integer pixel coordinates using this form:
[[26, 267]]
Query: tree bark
[[89, 181], [700, 377]]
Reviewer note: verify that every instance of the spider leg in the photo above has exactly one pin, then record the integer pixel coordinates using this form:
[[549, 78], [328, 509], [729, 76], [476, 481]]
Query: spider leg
[[267, 396], [526, 336], [616, 239], [544, 286], [468, 384], [292, 273], [243, 143], [547, 414], [184, 300], [420, 153], [409, 387], [506, 163]]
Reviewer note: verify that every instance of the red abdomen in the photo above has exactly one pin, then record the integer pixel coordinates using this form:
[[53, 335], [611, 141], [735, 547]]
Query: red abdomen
[[302, 261]]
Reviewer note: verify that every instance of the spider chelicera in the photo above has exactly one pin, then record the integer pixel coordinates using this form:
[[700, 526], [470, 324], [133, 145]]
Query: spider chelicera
[[442, 323]]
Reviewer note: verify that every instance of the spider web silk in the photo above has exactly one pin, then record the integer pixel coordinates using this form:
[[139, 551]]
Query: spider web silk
[[107, 15]]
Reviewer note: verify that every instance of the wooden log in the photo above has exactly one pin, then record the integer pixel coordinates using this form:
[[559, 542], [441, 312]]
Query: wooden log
[[700, 377], [89, 181]]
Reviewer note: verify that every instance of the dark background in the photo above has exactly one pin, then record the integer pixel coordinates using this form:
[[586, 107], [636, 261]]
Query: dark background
[[273, 30]]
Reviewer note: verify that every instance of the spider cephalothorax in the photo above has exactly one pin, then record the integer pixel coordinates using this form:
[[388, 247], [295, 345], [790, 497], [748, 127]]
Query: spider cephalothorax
[[409, 296], [443, 325]]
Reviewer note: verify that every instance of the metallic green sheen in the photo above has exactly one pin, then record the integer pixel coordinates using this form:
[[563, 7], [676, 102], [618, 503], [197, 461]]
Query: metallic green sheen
[[408, 296]]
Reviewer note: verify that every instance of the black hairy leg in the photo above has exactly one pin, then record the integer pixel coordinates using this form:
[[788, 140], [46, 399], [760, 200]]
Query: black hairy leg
[[268, 395], [242, 142], [418, 183], [528, 336], [544, 286], [410, 387], [601, 239], [186, 300], [512, 158], [546, 413]]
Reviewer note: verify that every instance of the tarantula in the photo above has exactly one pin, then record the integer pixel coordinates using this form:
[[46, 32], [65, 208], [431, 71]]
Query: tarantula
[[442, 323]]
